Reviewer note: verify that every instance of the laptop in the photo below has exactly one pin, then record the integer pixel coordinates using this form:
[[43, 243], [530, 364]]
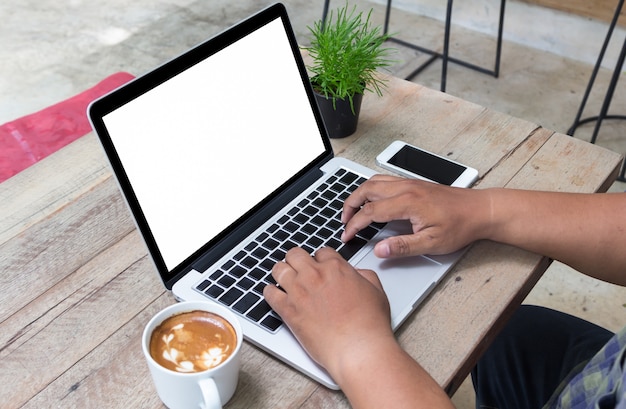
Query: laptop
[[223, 159]]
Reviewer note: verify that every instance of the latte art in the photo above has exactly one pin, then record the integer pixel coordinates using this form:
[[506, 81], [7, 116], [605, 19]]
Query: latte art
[[193, 342], [181, 358]]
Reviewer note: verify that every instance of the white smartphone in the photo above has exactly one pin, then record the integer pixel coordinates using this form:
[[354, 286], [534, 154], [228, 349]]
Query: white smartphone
[[412, 162]]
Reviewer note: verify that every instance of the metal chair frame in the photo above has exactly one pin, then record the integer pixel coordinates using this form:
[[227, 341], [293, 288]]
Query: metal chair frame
[[444, 55], [610, 91]]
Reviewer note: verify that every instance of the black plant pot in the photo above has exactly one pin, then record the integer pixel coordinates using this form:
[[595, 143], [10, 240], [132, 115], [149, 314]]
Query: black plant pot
[[340, 121]]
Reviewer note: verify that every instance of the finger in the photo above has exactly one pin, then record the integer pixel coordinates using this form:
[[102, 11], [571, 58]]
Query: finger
[[297, 255], [280, 272], [406, 245], [327, 253], [364, 193], [294, 256], [276, 299], [380, 211], [382, 177]]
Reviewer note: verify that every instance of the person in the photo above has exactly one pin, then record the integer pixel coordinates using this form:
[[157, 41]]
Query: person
[[341, 315]]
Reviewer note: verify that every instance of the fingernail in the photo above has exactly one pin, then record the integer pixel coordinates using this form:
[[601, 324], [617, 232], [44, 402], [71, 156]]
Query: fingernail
[[384, 250]]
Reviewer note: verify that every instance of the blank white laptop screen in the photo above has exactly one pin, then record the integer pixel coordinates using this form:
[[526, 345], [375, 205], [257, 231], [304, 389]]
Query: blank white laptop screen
[[181, 142]]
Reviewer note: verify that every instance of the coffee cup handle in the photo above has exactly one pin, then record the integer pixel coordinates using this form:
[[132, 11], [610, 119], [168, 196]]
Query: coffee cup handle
[[210, 394]]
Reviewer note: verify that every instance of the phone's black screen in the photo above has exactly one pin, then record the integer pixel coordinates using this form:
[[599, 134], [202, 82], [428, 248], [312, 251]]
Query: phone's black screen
[[426, 165]]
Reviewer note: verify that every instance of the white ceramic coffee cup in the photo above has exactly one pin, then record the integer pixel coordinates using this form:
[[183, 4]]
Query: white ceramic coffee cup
[[207, 389]]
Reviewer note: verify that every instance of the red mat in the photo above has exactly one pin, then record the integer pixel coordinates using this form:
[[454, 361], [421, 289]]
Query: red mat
[[31, 138]]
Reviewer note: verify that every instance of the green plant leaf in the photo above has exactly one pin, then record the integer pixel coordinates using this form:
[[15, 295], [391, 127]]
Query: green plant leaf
[[347, 52]]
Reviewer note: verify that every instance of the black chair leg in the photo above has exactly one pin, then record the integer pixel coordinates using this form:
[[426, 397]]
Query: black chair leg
[[610, 91], [445, 54], [325, 11], [446, 45]]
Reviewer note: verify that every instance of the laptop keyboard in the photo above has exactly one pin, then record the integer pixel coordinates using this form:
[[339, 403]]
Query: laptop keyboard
[[313, 223]]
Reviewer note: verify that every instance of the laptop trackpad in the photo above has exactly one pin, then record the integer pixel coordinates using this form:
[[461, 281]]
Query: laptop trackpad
[[406, 280]]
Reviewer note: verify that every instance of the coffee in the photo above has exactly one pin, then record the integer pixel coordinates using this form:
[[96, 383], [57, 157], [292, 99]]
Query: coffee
[[192, 341]]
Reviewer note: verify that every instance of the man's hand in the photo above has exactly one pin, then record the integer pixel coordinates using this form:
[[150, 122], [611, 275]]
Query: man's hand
[[330, 307], [444, 219]]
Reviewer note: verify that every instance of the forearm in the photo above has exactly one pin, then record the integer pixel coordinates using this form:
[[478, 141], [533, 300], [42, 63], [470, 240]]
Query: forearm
[[391, 379], [584, 231]]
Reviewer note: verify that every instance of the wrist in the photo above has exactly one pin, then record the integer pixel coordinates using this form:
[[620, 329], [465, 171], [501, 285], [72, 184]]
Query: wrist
[[361, 358], [478, 214], [379, 373]]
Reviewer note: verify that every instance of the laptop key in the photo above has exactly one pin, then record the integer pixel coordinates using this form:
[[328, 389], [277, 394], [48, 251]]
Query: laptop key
[[328, 195], [310, 210], [309, 228], [314, 241], [217, 274], [267, 264], [203, 285], [238, 271], [350, 248], [230, 296], [337, 187], [320, 188], [334, 225], [270, 244], [249, 262], [271, 322], [281, 235], [226, 281], [291, 227], [245, 283], [214, 291], [336, 204], [259, 288], [259, 311], [227, 265], [299, 238], [368, 232], [260, 253], [324, 233], [288, 245], [348, 178], [319, 202], [256, 274], [328, 212], [334, 243], [278, 255], [246, 302], [318, 220]]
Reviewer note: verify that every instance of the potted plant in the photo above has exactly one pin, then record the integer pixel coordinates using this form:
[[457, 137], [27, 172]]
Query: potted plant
[[346, 53]]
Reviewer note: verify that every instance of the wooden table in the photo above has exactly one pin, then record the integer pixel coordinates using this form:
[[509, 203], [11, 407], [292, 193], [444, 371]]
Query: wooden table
[[78, 287]]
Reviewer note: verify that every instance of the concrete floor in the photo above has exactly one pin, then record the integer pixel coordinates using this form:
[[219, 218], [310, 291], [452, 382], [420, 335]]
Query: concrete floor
[[53, 50]]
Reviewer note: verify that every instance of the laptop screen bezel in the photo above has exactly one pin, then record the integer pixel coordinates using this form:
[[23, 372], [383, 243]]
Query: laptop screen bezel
[[139, 86]]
